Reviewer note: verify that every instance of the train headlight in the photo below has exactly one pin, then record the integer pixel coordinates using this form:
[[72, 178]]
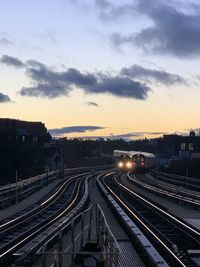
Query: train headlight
[[120, 164], [128, 164]]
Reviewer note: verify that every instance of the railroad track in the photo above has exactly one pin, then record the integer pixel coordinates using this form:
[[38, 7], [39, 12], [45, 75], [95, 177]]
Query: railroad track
[[176, 240], [24, 188], [184, 181], [176, 193], [20, 230], [11, 193]]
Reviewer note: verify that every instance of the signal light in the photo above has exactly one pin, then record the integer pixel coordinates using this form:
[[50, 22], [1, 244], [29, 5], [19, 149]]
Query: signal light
[[142, 164]]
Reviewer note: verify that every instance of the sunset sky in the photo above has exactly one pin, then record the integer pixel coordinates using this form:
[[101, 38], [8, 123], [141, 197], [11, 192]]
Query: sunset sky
[[110, 68]]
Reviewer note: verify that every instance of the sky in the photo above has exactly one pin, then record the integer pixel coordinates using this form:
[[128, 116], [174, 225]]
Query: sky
[[101, 68]]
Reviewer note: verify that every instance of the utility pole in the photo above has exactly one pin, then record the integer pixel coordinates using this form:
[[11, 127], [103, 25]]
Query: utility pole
[[47, 173], [156, 160], [16, 187], [61, 160], [186, 178]]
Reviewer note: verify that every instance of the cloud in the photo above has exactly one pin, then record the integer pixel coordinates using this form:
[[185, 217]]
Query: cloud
[[135, 134], [92, 104], [12, 61], [159, 76], [127, 136], [155, 133], [49, 35], [128, 83], [109, 11], [50, 83], [74, 129], [4, 98], [5, 41], [173, 31]]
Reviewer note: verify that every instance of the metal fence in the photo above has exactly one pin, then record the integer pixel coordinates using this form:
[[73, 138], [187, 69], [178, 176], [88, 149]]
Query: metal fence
[[88, 229]]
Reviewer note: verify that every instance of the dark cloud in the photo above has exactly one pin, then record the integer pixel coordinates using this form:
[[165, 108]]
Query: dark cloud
[[4, 98], [5, 41], [155, 133], [109, 11], [173, 31], [74, 129], [133, 135], [11, 61], [92, 104], [50, 83], [126, 136], [138, 134], [160, 76], [34, 64], [120, 86], [45, 90]]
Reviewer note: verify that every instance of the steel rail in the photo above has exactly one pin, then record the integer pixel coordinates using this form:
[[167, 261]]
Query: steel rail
[[193, 230], [145, 226], [172, 187], [51, 233], [33, 234], [169, 193], [45, 204], [189, 182]]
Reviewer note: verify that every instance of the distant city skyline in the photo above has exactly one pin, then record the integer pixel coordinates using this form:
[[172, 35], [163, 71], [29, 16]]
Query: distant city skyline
[[101, 68]]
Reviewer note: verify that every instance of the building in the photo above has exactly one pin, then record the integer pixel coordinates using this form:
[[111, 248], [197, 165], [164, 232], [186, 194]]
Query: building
[[22, 148], [174, 145], [24, 131]]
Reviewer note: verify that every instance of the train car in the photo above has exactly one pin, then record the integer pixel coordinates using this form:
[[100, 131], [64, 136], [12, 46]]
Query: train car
[[143, 161], [123, 160], [134, 160]]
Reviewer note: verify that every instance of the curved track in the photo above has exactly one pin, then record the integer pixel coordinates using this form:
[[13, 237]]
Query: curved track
[[176, 193], [172, 237], [184, 181], [22, 229]]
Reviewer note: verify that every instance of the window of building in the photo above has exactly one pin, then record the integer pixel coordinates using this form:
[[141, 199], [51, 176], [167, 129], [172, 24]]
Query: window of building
[[183, 146], [35, 139], [191, 146]]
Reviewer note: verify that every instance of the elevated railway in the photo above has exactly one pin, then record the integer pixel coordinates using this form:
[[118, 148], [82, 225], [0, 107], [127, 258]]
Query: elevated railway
[[100, 210], [176, 240]]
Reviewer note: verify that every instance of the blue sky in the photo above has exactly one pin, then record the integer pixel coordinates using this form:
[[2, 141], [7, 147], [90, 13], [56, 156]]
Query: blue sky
[[117, 68]]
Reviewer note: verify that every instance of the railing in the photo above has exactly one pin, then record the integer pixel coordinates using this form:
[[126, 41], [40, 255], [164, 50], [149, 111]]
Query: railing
[[87, 236], [11, 194]]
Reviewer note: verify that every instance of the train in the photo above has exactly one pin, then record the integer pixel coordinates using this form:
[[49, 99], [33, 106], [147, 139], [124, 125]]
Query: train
[[134, 160]]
